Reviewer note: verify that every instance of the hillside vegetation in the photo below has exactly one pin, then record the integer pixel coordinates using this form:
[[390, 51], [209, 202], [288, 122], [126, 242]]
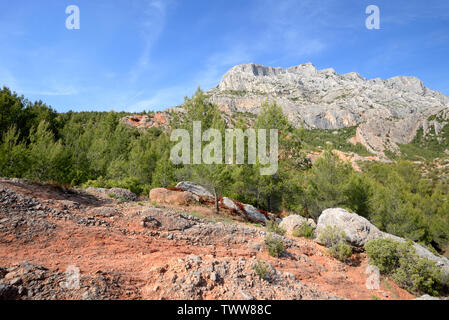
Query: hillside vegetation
[[95, 149]]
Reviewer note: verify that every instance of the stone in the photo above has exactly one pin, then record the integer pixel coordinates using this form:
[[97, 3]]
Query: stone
[[253, 214], [194, 188], [324, 99], [214, 277], [16, 281], [292, 222], [359, 231], [158, 219], [8, 292], [230, 204]]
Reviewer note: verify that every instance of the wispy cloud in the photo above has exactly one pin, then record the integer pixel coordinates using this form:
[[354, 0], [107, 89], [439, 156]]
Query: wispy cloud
[[152, 25]]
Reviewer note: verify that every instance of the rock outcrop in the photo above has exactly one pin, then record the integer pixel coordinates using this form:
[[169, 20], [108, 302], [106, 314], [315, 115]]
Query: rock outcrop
[[194, 188], [253, 214], [359, 231], [294, 221], [156, 120], [387, 112]]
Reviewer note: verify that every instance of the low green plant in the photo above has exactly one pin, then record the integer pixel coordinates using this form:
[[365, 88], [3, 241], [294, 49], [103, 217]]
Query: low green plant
[[400, 261], [261, 269], [273, 226], [331, 235], [275, 247], [341, 251], [305, 231]]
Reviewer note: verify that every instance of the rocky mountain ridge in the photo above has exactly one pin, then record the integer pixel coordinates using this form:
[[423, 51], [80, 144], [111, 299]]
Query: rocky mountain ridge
[[386, 112]]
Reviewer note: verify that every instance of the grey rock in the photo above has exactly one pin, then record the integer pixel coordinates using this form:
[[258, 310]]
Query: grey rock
[[8, 292], [195, 189], [359, 231], [230, 204], [159, 219], [253, 214], [387, 112], [292, 222], [427, 297]]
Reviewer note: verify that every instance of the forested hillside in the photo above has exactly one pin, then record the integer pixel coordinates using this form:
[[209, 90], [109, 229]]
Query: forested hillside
[[95, 149]]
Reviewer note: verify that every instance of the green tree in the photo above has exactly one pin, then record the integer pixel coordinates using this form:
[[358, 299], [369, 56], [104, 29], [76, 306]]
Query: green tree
[[13, 155], [47, 161]]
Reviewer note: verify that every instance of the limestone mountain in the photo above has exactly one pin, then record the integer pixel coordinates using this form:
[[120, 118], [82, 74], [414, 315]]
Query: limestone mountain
[[387, 113]]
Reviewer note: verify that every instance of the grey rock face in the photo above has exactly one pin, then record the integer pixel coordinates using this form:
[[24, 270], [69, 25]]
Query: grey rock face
[[359, 231], [229, 203], [388, 111], [254, 215], [194, 188]]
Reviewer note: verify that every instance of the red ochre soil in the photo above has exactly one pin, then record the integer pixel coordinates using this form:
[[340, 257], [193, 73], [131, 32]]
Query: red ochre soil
[[148, 264]]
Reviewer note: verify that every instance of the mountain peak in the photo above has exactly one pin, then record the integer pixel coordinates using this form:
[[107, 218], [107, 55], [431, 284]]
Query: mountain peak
[[387, 112]]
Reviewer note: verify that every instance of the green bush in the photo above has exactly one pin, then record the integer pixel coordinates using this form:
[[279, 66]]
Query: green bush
[[261, 269], [273, 226], [400, 261], [384, 253], [274, 246], [331, 235], [305, 230], [128, 183], [340, 251]]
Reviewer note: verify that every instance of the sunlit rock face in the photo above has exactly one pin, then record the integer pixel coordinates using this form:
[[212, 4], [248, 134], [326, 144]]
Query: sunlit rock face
[[387, 112]]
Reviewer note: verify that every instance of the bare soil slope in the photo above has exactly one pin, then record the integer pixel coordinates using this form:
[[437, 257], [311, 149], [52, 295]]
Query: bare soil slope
[[134, 250]]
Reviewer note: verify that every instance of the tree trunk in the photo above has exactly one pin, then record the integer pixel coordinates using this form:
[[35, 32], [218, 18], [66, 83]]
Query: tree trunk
[[217, 208]]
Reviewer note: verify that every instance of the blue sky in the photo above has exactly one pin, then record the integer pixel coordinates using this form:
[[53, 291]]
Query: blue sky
[[148, 54]]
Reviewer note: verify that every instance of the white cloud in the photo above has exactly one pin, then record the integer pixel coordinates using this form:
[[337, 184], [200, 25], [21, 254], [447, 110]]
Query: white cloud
[[154, 16]]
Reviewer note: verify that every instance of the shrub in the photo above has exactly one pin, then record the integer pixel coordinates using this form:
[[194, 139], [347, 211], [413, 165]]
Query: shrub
[[274, 246], [331, 235], [305, 230], [261, 269], [384, 254], [340, 251], [273, 226], [400, 261]]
